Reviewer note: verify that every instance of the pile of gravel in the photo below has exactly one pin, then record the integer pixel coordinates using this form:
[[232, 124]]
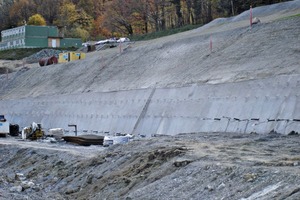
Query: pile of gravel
[[4, 70], [42, 54]]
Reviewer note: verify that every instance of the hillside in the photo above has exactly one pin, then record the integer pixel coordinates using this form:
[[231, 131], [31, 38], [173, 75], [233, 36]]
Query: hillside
[[239, 53], [173, 84]]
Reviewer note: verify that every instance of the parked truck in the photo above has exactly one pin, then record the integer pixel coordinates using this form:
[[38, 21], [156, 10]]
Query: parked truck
[[4, 126]]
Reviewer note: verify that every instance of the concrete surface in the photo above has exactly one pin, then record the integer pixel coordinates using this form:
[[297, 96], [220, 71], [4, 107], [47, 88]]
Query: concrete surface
[[251, 106]]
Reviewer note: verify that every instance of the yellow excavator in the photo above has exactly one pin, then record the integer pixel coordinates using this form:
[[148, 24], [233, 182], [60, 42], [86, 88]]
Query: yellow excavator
[[33, 132]]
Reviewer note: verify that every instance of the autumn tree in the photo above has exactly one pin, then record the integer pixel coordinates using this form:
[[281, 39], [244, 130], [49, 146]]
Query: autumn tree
[[48, 9], [37, 20], [189, 15], [177, 4], [67, 15], [155, 14], [100, 7], [122, 17], [20, 11], [140, 15], [75, 22], [119, 17], [87, 6], [159, 11], [4, 14], [83, 19], [99, 29], [78, 32]]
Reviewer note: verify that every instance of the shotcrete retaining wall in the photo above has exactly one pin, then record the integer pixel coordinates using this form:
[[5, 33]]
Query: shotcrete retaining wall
[[251, 106]]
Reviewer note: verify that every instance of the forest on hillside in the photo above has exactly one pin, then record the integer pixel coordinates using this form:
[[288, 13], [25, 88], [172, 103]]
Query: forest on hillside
[[94, 19]]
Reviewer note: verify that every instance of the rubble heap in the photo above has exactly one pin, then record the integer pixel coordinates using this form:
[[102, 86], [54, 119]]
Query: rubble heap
[[42, 54]]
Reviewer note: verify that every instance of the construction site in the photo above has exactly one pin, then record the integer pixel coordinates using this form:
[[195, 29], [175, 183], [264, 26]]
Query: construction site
[[210, 113]]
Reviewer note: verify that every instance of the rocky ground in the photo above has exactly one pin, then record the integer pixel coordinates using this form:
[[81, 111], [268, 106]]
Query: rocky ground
[[10, 66], [188, 166]]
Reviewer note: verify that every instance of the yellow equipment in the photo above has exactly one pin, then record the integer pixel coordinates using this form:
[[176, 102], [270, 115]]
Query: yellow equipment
[[70, 56], [34, 132]]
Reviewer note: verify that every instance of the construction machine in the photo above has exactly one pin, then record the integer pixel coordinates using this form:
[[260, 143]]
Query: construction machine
[[33, 132]]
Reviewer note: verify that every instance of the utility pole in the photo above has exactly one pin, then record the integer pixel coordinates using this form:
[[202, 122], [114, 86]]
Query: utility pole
[[251, 16], [7, 76], [210, 44]]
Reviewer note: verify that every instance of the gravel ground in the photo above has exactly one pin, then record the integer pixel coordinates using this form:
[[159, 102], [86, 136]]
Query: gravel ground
[[188, 166]]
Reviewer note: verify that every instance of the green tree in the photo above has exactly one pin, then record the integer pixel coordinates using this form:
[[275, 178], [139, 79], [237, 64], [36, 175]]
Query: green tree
[[37, 20], [79, 33], [67, 15], [177, 4], [83, 20]]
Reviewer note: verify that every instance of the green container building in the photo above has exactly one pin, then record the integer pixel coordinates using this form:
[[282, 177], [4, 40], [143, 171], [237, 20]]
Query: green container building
[[36, 37]]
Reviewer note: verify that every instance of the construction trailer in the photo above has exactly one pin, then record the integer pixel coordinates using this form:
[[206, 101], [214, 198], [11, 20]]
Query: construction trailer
[[29, 36]]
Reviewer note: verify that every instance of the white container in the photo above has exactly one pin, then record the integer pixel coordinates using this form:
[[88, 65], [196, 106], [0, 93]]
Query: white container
[[4, 128], [120, 139], [110, 140]]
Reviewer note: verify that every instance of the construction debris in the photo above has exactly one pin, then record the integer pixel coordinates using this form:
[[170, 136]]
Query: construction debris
[[57, 133], [85, 140], [45, 53]]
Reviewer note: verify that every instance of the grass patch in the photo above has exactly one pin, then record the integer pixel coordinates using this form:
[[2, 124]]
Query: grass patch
[[159, 34], [290, 17], [17, 54]]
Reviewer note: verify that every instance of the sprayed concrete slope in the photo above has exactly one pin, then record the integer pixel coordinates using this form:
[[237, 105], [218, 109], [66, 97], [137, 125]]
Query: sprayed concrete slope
[[248, 83]]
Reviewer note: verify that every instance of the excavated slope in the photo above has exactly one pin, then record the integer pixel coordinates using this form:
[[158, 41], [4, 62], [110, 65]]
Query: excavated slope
[[239, 53]]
